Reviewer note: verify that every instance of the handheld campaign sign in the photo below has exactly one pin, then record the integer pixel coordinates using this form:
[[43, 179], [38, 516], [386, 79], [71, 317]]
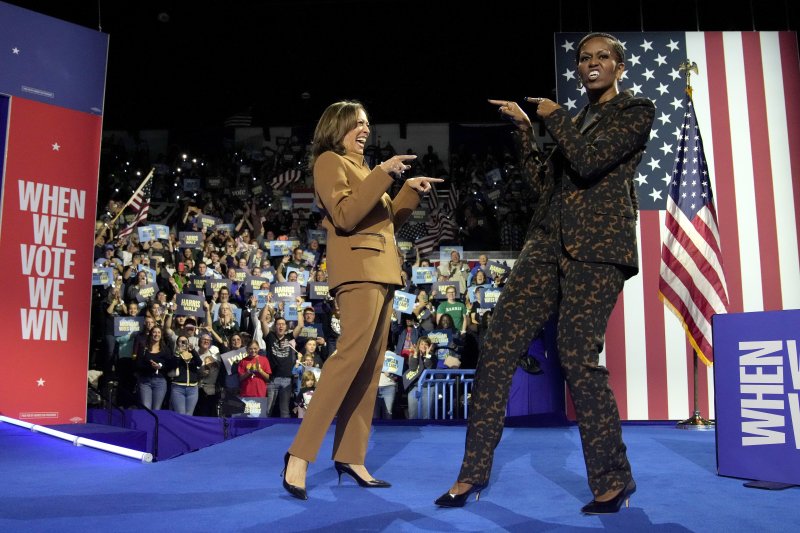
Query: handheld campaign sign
[[473, 289], [147, 292], [423, 275], [190, 305], [497, 269], [146, 233], [262, 298], [232, 357], [190, 239], [302, 275], [319, 235], [127, 325], [317, 291], [102, 276], [488, 298], [404, 301], [286, 290], [441, 289], [392, 364]]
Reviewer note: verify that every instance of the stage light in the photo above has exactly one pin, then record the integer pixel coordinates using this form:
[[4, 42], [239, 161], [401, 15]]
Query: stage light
[[184, 156], [80, 441]]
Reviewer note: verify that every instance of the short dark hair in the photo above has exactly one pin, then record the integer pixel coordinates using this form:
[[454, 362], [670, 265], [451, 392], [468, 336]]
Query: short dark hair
[[616, 45]]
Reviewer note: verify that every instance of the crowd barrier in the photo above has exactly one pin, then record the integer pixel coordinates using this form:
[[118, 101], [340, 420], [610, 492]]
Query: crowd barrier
[[444, 394]]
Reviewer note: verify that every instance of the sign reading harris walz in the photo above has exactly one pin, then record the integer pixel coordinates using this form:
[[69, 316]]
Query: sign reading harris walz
[[757, 384]]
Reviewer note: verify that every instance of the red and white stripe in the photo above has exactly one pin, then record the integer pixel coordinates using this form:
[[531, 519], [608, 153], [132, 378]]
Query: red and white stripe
[[749, 115]]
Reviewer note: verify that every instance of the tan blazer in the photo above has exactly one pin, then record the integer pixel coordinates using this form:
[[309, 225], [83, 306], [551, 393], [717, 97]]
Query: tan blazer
[[360, 218]]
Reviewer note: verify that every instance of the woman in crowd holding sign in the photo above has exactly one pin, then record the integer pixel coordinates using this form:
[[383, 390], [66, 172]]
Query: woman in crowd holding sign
[[579, 250], [360, 219]]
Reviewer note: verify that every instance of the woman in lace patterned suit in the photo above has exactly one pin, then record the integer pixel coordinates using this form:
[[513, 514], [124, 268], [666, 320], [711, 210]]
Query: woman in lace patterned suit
[[579, 250]]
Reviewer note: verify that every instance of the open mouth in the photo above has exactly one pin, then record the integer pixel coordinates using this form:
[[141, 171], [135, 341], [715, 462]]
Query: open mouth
[[593, 75]]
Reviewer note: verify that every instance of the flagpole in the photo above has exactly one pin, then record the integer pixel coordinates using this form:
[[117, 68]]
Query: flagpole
[[696, 421]]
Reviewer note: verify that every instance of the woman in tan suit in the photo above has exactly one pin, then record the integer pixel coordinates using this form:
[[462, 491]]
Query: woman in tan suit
[[363, 271]]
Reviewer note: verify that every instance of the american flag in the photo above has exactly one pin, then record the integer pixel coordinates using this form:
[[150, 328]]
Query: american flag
[[140, 202], [440, 225], [747, 108], [692, 281], [286, 178]]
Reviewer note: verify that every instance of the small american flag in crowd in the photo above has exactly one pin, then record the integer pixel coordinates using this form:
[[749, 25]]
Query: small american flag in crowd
[[140, 202], [286, 178], [441, 224]]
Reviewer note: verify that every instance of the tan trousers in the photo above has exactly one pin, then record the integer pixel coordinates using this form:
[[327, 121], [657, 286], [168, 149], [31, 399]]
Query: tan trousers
[[348, 385]]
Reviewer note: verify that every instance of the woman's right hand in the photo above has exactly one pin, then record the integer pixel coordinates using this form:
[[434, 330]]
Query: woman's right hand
[[514, 112]]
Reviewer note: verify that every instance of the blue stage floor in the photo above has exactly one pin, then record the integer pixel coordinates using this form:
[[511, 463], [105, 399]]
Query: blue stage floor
[[538, 484]]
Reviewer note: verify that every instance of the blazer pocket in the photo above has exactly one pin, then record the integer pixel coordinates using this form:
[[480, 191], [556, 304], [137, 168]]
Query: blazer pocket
[[368, 241]]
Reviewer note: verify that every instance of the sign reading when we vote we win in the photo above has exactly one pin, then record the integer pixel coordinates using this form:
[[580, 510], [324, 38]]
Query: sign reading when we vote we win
[[47, 261], [51, 107]]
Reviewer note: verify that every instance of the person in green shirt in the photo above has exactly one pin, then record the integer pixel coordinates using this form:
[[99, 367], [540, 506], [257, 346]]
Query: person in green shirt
[[457, 310]]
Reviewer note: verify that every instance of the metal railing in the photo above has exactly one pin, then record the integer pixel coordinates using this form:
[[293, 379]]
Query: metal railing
[[444, 393]]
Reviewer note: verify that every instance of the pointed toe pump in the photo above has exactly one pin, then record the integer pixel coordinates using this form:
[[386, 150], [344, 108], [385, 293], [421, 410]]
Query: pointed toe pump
[[344, 468], [614, 504], [448, 499], [296, 492]]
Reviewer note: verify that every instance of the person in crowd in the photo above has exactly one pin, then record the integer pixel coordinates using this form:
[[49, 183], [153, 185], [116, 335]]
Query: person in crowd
[[185, 377], [308, 329], [424, 312], [455, 270], [223, 327], [231, 380], [153, 363], [407, 332], [449, 355], [282, 359], [580, 248], [360, 219], [387, 391], [254, 372], [421, 358], [482, 264], [211, 372], [308, 384], [454, 308], [333, 325]]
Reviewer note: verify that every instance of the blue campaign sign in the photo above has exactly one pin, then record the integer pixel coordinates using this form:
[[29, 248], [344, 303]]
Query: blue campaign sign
[[45, 54], [757, 395]]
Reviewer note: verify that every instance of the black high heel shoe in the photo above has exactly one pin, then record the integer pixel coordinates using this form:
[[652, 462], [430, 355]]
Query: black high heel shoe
[[449, 499], [297, 492], [614, 504], [344, 468]]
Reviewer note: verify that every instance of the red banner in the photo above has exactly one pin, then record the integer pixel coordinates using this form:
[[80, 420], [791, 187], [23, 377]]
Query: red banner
[[46, 244]]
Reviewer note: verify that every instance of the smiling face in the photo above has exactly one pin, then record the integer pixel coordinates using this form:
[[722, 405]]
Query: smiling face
[[356, 139]]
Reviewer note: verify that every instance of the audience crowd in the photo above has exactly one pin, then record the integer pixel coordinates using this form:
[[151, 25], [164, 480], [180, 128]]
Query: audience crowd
[[230, 301]]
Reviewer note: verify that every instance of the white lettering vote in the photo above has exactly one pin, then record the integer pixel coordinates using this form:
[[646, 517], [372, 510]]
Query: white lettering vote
[[48, 262]]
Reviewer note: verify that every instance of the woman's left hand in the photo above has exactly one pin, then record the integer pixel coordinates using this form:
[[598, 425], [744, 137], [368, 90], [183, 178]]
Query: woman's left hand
[[423, 184]]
